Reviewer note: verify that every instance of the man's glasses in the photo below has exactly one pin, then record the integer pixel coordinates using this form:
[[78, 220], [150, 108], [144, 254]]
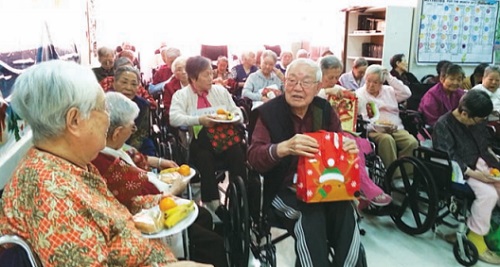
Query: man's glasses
[[305, 84]]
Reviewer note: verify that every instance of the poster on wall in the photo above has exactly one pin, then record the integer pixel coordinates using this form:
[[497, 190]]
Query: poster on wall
[[461, 31]]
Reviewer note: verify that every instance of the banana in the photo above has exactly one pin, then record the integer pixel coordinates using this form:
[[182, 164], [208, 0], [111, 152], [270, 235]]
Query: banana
[[180, 213], [169, 170]]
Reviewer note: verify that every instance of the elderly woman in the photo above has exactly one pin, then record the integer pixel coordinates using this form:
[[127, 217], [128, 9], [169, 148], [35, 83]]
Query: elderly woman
[[444, 96], [194, 106], [107, 83], [378, 103], [277, 143], [286, 58], [126, 172], [127, 82], [56, 199], [400, 71], [136, 187], [331, 67], [221, 74], [461, 134], [176, 82], [240, 72], [356, 77], [264, 78]]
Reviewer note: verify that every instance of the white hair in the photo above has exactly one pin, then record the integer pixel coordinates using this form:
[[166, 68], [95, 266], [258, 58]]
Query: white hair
[[43, 94], [178, 60], [308, 62], [269, 53], [121, 110], [376, 69]]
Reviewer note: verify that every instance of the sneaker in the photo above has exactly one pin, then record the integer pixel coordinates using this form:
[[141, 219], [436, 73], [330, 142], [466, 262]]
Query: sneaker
[[489, 257], [381, 200]]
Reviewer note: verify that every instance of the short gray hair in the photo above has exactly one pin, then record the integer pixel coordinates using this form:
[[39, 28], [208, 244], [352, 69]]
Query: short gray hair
[[43, 94], [119, 72], [171, 51], [269, 53], [178, 60], [490, 69], [121, 110], [308, 62], [360, 62], [122, 61], [375, 69], [330, 62]]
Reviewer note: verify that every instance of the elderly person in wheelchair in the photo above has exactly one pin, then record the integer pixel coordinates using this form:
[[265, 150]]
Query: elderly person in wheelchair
[[214, 140], [56, 199], [463, 135], [378, 103], [276, 144], [136, 187]]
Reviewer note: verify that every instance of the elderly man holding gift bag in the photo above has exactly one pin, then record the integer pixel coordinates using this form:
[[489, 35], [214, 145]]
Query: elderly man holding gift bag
[[276, 145]]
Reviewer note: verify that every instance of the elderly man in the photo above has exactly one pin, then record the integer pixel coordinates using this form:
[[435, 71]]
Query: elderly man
[[276, 144], [356, 77]]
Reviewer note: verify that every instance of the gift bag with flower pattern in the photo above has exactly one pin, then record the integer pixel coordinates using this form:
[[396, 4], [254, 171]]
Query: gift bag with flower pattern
[[223, 135]]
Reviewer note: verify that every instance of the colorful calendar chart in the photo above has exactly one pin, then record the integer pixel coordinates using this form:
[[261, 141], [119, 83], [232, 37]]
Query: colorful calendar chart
[[461, 31]]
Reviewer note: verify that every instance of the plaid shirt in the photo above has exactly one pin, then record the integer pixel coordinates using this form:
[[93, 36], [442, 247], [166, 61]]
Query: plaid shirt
[[70, 217]]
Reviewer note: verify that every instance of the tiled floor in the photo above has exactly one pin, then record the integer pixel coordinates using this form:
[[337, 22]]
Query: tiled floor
[[387, 246]]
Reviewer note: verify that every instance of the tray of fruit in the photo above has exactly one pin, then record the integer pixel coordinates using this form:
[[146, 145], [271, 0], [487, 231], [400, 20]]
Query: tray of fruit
[[167, 177], [224, 116], [495, 173], [171, 216]]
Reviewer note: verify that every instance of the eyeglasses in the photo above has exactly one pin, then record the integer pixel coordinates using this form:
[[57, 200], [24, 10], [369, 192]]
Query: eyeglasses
[[305, 84]]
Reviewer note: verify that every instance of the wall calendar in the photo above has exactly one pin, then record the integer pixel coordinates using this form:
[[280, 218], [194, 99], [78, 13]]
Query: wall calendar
[[461, 31]]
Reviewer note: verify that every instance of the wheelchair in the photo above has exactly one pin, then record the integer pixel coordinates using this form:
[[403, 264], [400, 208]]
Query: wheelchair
[[424, 196]]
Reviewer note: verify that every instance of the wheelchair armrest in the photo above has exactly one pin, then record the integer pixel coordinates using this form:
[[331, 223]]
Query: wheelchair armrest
[[427, 153], [14, 239]]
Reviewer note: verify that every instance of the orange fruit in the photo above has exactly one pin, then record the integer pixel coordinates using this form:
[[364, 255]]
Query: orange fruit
[[167, 203], [184, 170], [221, 111]]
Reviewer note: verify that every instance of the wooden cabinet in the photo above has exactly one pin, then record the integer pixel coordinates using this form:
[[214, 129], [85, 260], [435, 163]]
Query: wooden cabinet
[[377, 33]]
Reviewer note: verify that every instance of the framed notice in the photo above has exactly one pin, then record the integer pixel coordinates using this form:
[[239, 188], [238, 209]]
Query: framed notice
[[461, 31]]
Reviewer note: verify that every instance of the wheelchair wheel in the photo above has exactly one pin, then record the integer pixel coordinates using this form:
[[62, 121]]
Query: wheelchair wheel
[[469, 256], [237, 223], [414, 195]]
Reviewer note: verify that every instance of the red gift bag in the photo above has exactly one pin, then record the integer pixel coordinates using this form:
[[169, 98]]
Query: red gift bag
[[347, 109], [332, 174]]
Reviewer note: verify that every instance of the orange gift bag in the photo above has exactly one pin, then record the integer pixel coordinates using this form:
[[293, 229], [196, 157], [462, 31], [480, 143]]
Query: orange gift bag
[[331, 175]]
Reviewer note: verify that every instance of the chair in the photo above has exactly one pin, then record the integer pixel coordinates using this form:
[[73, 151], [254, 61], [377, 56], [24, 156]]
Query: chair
[[275, 48], [19, 241], [213, 51]]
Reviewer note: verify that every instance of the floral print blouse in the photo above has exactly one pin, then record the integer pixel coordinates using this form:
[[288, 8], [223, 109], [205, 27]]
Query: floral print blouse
[[70, 218]]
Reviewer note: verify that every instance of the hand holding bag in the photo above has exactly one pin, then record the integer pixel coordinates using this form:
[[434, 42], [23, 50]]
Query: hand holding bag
[[331, 175]]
